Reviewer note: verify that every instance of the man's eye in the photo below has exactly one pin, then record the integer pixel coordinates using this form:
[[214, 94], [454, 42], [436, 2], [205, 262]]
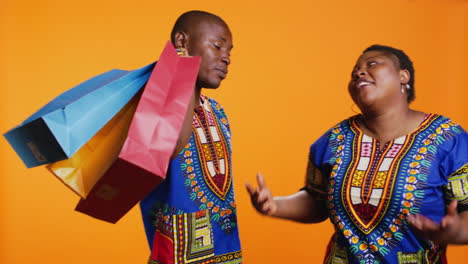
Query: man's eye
[[216, 46], [372, 63]]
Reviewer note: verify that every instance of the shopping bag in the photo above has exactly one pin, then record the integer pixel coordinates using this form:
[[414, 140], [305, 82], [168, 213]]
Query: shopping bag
[[143, 161], [64, 125], [85, 167]]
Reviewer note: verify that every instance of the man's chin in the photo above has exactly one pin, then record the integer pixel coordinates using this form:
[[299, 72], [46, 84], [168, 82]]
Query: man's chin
[[209, 85], [212, 88]]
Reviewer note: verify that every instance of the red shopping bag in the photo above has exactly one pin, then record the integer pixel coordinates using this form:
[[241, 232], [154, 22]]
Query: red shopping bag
[[143, 161]]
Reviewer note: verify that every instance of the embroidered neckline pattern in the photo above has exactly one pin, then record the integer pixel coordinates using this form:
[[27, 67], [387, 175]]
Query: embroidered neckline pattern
[[206, 188], [370, 180], [213, 151]]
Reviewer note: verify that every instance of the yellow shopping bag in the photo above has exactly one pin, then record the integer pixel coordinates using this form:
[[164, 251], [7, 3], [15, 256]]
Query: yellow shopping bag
[[84, 168]]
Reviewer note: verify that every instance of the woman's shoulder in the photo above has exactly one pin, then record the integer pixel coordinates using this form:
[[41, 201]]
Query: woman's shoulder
[[336, 133], [441, 124], [444, 135], [343, 126]]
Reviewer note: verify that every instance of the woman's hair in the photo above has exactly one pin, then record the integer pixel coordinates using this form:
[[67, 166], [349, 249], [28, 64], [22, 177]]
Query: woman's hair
[[404, 62]]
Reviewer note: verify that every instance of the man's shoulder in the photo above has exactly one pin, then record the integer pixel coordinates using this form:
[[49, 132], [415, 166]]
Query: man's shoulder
[[213, 103]]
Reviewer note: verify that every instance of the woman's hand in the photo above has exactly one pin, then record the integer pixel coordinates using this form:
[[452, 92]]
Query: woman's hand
[[451, 230], [261, 197], [298, 207]]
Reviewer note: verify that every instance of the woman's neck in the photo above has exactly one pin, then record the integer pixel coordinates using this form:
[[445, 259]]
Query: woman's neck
[[389, 125]]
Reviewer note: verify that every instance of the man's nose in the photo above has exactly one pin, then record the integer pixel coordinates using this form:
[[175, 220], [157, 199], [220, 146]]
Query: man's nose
[[226, 58]]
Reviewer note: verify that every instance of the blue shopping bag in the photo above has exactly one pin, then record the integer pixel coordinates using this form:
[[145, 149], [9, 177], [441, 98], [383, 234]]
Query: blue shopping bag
[[64, 125]]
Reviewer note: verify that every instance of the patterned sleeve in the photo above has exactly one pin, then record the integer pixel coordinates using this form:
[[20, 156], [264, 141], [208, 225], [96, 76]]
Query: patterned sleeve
[[455, 165], [316, 180]]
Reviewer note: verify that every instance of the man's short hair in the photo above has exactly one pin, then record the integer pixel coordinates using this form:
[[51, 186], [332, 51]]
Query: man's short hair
[[189, 18]]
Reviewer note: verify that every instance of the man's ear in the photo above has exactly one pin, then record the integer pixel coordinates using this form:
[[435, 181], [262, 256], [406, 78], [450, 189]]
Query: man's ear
[[404, 76], [180, 40]]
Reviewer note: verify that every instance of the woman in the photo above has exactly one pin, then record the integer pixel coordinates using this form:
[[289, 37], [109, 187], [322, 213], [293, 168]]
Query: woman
[[392, 180]]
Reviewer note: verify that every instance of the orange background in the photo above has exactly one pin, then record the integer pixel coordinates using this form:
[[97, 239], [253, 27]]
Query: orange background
[[286, 86]]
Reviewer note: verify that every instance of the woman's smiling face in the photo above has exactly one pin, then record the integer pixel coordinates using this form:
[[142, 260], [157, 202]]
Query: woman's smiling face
[[377, 79]]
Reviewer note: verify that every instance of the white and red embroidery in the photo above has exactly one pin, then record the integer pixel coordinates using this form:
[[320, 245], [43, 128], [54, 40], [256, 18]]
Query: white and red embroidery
[[213, 151]]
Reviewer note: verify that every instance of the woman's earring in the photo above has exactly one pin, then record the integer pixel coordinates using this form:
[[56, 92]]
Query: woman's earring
[[402, 90], [408, 86], [182, 52]]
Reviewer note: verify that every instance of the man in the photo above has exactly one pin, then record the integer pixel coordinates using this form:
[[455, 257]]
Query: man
[[191, 216]]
